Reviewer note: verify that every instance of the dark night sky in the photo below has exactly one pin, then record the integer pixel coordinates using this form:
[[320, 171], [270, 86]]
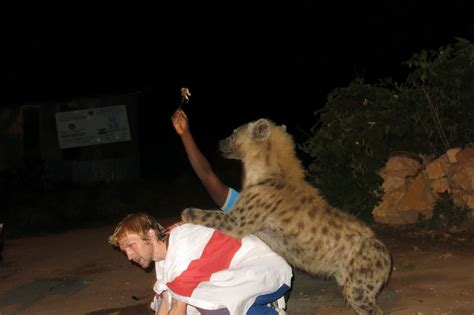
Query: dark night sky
[[241, 62]]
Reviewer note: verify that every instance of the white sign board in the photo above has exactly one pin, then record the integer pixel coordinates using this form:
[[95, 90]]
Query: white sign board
[[92, 126]]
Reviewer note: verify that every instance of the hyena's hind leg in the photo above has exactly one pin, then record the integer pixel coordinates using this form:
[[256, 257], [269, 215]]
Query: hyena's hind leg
[[233, 223], [362, 298], [366, 274]]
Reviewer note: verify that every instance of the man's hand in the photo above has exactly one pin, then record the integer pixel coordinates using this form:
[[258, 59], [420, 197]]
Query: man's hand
[[163, 309], [177, 308], [180, 122]]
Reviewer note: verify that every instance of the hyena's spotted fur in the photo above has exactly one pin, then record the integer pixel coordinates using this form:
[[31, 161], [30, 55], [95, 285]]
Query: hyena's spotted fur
[[281, 208]]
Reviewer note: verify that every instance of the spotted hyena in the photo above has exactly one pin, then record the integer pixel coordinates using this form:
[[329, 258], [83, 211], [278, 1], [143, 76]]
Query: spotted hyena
[[289, 214]]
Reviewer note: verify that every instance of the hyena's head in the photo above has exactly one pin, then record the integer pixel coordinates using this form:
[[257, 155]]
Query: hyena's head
[[254, 138], [264, 148]]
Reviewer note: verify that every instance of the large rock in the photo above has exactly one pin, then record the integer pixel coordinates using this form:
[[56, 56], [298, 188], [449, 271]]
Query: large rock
[[412, 186], [461, 175], [437, 168], [465, 155], [418, 200], [400, 166], [463, 199], [393, 182], [387, 211], [451, 154], [440, 186]]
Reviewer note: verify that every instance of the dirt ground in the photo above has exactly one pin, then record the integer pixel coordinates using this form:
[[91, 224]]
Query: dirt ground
[[79, 273]]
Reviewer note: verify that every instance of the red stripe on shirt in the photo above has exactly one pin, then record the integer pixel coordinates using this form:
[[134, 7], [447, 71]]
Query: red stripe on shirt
[[216, 256]]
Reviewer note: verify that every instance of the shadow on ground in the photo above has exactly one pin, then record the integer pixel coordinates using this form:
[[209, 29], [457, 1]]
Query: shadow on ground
[[20, 298], [127, 310], [309, 293]]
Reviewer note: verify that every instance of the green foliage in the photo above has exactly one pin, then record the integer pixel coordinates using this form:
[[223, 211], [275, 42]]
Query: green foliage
[[362, 124], [443, 81], [445, 214]]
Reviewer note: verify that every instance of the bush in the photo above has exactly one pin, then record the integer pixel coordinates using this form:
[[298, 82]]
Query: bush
[[362, 124], [445, 214]]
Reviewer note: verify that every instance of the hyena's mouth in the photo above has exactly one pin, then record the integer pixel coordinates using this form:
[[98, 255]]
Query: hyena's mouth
[[227, 154], [224, 148]]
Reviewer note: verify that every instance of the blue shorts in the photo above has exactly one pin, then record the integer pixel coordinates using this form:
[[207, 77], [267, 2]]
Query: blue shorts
[[259, 307]]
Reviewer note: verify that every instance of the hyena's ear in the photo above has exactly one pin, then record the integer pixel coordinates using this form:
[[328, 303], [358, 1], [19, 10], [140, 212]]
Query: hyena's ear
[[261, 130]]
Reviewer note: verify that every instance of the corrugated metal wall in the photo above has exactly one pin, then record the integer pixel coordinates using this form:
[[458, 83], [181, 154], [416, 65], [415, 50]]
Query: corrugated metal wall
[[94, 171], [105, 163], [105, 171]]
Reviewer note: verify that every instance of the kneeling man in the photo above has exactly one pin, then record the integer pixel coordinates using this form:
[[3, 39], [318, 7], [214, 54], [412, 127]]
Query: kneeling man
[[200, 270]]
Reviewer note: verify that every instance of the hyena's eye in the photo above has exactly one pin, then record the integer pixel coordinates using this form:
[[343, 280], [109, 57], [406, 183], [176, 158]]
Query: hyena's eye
[[232, 136]]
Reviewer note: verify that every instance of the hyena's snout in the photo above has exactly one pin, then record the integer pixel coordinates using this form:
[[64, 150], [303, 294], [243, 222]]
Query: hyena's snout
[[226, 148]]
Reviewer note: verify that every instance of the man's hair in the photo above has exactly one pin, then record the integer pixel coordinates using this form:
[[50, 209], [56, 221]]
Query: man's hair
[[137, 223]]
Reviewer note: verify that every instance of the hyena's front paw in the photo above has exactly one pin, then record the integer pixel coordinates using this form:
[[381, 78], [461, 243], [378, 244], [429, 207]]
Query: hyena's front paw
[[189, 215]]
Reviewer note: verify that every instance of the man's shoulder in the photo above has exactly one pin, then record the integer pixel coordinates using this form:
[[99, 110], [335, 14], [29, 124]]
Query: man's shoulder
[[189, 229]]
